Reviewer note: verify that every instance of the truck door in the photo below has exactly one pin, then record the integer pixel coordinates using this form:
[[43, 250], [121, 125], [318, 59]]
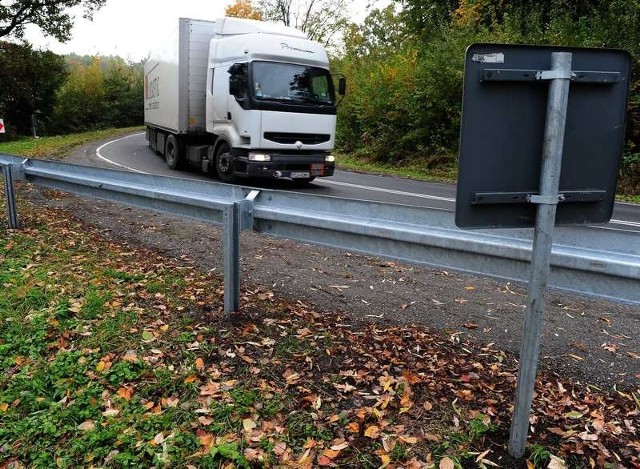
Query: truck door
[[217, 107]]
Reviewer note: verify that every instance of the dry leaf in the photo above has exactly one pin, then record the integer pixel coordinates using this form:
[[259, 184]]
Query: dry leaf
[[446, 463], [87, 426], [556, 463], [373, 432], [125, 393], [248, 424]]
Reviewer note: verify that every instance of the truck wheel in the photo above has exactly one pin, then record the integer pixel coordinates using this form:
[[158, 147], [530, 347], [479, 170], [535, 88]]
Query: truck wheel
[[172, 152], [153, 141], [224, 164]]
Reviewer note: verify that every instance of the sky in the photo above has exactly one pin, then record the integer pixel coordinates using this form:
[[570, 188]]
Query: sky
[[130, 28]]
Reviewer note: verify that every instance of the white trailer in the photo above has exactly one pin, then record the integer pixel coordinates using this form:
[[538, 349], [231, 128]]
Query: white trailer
[[242, 98]]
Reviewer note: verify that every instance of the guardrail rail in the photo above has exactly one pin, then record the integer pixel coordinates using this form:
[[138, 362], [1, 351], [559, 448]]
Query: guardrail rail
[[586, 260]]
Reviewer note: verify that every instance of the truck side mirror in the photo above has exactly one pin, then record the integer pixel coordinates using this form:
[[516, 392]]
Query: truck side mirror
[[342, 86], [238, 80]]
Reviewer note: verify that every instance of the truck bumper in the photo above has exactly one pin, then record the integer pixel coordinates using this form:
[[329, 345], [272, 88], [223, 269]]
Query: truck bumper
[[284, 166]]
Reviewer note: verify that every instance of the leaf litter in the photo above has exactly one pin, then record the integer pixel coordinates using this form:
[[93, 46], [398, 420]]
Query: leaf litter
[[168, 379]]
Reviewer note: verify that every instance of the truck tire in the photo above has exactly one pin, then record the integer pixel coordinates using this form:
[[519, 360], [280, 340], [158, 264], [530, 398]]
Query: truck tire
[[153, 141], [172, 152], [224, 164]]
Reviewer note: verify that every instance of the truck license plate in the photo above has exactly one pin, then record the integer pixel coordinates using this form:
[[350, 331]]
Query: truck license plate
[[299, 175]]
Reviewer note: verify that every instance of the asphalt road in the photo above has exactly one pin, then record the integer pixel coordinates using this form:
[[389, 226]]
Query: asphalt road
[[132, 153]]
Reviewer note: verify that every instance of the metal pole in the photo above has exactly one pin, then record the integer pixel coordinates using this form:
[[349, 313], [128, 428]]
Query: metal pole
[[12, 211], [231, 254], [542, 243]]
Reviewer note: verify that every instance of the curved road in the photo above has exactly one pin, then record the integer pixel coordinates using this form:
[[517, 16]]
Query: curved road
[[366, 287], [132, 153]]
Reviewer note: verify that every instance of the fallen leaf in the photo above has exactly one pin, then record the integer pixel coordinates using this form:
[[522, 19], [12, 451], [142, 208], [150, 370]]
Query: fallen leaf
[[158, 439], [372, 431], [353, 427], [125, 393], [248, 424], [340, 446], [410, 440], [385, 459], [205, 420], [87, 426], [556, 463], [586, 436], [446, 463], [330, 453]]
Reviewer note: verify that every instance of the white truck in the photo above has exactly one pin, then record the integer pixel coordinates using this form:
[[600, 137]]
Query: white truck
[[242, 98]]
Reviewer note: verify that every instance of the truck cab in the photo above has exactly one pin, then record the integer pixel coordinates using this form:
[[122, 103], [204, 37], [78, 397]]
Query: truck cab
[[269, 103]]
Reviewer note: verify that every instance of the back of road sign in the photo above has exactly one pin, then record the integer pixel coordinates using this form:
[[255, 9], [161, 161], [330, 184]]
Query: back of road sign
[[502, 133]]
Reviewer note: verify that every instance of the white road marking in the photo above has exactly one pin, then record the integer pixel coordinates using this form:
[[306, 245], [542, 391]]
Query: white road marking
[[104, 158], [625, 222], [448, 199], [347, 184], [390, 191]]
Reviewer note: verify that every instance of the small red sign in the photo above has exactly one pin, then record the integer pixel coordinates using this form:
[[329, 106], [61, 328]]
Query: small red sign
[[2, 126]]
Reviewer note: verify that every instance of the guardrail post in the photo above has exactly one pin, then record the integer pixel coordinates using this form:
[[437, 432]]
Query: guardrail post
[[237, 217], [542, 243], [231, 250], [12, 211]]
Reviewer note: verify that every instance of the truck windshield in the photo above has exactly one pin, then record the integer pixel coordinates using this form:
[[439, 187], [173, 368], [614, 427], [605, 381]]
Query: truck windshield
[[292, 83]]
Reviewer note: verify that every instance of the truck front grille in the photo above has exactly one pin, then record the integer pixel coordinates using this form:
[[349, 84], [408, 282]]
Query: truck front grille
[[291, 138]]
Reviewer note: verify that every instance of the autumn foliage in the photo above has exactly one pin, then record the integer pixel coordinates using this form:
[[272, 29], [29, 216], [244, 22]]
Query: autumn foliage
[[243, 9]]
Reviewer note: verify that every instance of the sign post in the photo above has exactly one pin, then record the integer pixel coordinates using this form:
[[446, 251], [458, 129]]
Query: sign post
[[547, 201], [536, 152]]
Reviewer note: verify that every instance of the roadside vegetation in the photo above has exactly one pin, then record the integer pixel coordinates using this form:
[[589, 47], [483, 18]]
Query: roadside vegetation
[[115, 356], [58, 146], [403, 64]]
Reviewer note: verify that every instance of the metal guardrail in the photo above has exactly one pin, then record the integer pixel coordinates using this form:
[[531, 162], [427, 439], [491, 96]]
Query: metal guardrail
[[587, 260]]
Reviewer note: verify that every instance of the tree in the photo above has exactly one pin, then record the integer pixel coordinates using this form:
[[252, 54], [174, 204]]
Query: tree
[[51, 16], [321, 20], [29, 80], [381, 34], [243, 9], [105, 93]]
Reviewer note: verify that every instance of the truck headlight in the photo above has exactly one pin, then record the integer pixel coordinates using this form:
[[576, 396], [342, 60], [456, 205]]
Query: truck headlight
[[329, 159], [262, 157]]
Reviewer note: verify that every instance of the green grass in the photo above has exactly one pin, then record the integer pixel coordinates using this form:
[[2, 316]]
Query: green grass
[[417, 169], [420, 171], [58, 146]]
